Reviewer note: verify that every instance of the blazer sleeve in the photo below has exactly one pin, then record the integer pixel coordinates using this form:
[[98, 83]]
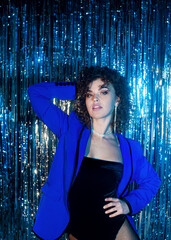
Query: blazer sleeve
[[148, 183], [40, 95]]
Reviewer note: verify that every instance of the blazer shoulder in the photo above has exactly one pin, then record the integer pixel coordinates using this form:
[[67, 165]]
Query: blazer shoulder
[[74, 119], [73, 116], [135, 146], [134, 143]]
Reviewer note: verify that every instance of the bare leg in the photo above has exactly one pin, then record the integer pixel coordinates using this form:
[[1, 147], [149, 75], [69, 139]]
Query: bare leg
[[126, 232], [71, 237]]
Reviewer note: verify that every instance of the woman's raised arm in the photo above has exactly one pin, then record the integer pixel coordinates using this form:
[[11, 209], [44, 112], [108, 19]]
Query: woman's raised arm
[[40, 95]]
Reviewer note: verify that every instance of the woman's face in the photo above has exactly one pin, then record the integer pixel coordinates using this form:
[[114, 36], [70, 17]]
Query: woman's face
[[100, 99]]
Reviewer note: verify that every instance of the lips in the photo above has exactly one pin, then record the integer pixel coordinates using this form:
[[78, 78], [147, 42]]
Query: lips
[[96, 106]]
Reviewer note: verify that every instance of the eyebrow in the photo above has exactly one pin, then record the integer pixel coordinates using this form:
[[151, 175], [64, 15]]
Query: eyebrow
[[100, 87]]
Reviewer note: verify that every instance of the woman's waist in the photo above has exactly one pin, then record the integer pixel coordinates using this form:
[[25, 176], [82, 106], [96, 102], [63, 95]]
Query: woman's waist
[[93, 191], [88, 203]]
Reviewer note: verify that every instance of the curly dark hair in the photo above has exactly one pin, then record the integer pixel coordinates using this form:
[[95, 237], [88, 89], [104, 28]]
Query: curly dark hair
[[122, 90]]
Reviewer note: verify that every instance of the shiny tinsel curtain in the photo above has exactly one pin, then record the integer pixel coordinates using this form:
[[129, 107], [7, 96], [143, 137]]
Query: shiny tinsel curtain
[[50, 41]]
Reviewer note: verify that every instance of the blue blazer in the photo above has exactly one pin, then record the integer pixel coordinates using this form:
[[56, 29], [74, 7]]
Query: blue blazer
[[53, 216]]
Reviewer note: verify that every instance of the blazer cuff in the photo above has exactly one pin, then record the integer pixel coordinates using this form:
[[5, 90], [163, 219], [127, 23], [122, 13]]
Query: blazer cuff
[[129, 206], [64, 83]]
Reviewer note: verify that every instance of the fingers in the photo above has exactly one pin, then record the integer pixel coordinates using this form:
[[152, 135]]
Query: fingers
[[114, 214], [112, 199], [113, 202], [116, 205], [113, 211], [109, 205]]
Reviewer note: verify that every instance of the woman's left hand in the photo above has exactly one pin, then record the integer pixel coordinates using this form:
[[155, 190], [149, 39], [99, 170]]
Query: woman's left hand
[[118, 207]]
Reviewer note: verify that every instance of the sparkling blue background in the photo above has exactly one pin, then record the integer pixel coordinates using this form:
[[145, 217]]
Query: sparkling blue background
[[50, 41]]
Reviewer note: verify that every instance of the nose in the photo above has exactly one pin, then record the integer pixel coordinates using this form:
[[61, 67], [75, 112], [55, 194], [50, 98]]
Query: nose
[[96, 98]]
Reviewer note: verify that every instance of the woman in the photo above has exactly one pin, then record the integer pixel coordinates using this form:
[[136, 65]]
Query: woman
[[86, 194]]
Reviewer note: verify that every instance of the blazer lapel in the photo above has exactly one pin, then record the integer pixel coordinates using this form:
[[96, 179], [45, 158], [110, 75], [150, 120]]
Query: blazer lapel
[[82, 146], [127, 165]]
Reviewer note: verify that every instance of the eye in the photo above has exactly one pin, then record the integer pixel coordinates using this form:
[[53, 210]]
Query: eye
[[105, 92], [88, 95]]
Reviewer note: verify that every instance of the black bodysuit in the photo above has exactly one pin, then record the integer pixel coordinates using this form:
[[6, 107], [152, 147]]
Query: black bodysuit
[[96, 180]]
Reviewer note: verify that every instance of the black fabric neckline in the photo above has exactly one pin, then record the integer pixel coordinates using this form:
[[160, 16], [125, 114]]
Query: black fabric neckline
[[101, 160]]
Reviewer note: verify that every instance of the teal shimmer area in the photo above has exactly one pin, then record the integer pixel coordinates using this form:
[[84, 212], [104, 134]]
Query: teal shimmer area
[[50, 41]]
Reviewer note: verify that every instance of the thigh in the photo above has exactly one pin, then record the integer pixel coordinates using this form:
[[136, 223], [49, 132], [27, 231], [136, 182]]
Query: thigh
[[126, 232], [71, 237]]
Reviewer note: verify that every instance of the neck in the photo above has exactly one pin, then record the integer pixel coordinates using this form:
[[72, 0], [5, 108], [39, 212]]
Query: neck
[[101, 127]]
